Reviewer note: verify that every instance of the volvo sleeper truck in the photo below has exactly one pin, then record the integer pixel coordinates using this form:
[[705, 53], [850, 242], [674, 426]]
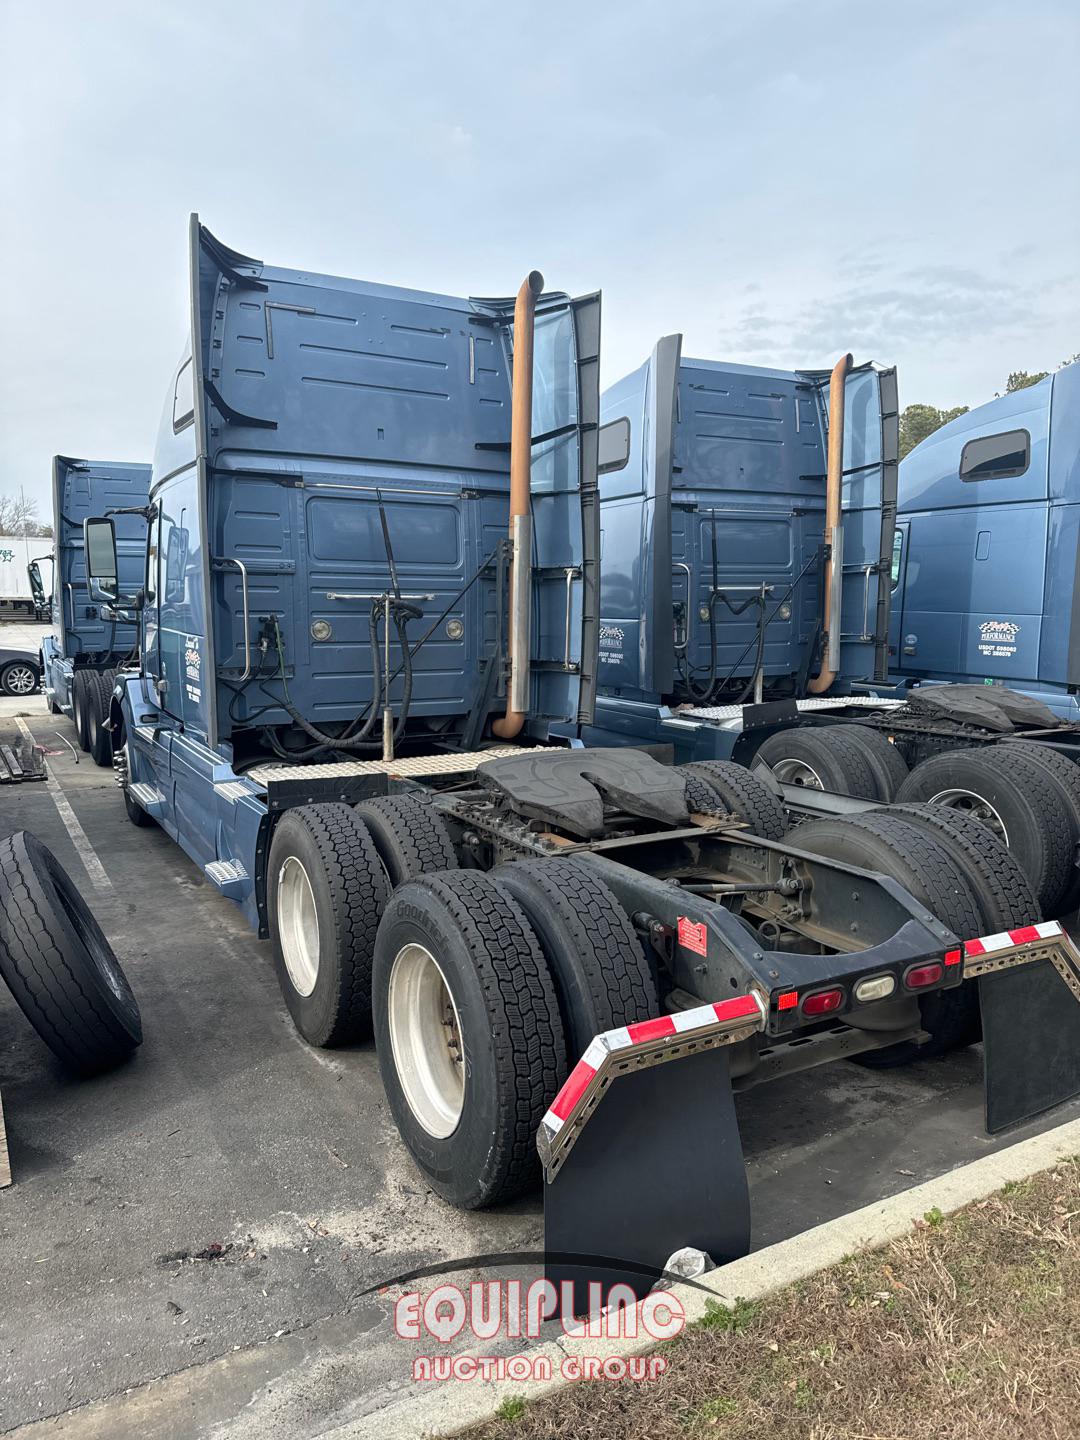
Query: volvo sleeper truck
[[90, 639], [749, 539], [984, 568], [371, 600]]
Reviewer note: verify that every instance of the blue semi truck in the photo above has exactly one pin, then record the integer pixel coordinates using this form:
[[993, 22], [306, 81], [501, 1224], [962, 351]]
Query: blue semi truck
[[985, 555], [80, 658], [370, 615]]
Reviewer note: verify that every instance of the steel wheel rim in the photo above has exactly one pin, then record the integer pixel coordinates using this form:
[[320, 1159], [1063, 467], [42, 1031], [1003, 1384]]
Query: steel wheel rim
[[790, 771], [21, 680], [425, 1037], [298, 926], [977, 806]]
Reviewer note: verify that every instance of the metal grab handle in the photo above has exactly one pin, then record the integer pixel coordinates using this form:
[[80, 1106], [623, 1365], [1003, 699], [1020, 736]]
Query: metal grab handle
[[372, 595], [71, 597], [228, 560]]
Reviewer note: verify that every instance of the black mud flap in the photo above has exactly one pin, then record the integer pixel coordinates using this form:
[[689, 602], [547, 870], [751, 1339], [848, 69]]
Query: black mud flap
[[658, 1166], [1031, 1043]]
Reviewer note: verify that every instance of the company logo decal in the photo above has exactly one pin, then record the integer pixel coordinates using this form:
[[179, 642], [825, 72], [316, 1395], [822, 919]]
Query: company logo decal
[[997, 638]]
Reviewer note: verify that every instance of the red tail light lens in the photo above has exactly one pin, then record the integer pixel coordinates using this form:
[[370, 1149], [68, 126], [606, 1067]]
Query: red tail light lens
[[824, 1002], [920, 976]]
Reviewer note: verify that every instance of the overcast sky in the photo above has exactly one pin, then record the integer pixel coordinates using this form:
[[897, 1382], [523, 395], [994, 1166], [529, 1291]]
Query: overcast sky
[[780, 181]]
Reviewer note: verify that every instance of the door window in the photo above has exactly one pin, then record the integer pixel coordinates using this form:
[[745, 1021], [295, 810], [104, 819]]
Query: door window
[[897, 553]]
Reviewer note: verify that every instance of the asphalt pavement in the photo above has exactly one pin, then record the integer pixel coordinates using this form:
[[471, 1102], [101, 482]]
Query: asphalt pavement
[[187, 1243]]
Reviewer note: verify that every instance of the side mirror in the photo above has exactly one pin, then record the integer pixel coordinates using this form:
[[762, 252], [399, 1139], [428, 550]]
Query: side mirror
[[37, 589], [99, 541]]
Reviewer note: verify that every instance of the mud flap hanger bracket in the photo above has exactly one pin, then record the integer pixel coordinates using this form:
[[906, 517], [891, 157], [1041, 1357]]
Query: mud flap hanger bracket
[[617, 1053]]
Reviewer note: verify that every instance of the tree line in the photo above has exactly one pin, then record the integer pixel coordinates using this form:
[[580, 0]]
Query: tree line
[[919, 421]]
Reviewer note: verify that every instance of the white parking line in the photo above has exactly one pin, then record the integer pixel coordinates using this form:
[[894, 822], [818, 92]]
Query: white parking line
[[91, 864]]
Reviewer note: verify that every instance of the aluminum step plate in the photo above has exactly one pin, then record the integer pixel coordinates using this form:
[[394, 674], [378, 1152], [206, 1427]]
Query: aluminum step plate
[[729, 713], [415, 767]]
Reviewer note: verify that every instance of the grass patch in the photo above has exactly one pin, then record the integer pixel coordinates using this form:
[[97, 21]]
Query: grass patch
[[966, 1328], [512, 1408]]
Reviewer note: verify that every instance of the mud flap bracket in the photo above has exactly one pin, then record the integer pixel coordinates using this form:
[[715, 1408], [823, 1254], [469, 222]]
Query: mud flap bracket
[[642, 1157]]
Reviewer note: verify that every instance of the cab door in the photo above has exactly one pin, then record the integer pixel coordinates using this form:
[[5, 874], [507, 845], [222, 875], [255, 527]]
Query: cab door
[[565, 512]]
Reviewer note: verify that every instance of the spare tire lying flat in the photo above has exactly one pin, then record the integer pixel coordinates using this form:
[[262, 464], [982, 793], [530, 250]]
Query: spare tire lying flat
[[1020, 801], [58, 964]]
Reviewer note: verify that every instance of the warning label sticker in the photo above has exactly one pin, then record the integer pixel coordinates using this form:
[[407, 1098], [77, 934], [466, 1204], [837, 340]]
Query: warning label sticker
[[693, 936]]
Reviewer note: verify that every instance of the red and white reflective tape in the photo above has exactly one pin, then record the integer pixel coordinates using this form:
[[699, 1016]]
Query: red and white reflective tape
[[987, 944], [681, 1023]]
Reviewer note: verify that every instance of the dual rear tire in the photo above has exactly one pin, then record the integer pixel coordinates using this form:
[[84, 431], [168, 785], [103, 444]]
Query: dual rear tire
[[845, 759], [91, 693], [482, 990]]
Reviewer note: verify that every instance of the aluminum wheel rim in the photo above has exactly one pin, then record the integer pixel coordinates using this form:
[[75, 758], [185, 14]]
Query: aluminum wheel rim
[[425, 1036], [790, 771], [977, 806], [21, 680], [298, 926]]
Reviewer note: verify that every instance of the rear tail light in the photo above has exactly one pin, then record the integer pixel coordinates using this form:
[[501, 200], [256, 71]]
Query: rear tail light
[[920, 976], [824, 1002], [876, 987]]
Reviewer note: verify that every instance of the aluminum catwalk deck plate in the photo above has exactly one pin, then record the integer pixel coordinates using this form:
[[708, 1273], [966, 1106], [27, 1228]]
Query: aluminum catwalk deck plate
[[735, 712], [415, 767]]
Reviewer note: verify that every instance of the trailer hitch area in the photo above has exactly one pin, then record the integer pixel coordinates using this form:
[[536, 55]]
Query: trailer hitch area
[[642, 1156], [1031, 1033]]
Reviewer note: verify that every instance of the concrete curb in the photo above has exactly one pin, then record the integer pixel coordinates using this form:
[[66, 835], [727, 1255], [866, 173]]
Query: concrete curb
[[447, 1408]]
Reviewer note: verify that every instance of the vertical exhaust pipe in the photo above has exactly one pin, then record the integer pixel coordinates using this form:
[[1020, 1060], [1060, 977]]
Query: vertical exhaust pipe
[[834, 536], [517, 699]]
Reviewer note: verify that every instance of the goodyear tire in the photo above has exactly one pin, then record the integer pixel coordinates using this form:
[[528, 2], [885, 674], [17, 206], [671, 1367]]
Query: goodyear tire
[[887, 765], [897, 847], [819, 757], [81, 697], [325, 895], [743, 795], [57, 963], [410, 836], [601, 974], [98, 697], [1018, 799], [468, 1034]]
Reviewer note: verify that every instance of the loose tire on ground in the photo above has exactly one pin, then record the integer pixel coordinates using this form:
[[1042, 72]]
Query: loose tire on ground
[[821, 757], [895, 846], [468, 1034], [98, 698], [743, 794], [326, 891], [1018, 799], [602, 976], [410, 836], [888, 766], [57, 963], [81, 696]]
